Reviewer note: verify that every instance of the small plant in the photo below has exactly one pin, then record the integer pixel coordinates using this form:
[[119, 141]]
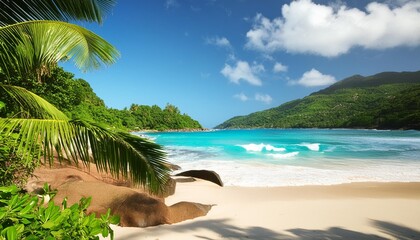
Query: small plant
[[25, 216], [13, 168]]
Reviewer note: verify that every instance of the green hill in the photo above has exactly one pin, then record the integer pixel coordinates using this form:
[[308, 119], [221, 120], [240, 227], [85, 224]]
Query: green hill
[[388, 100], [76, 98]]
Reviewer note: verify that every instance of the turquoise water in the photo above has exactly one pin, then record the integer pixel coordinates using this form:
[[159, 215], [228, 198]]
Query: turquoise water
[[285, 157]]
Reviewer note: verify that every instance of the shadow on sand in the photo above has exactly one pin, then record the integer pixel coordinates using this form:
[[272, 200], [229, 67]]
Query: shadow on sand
[[224, 230]]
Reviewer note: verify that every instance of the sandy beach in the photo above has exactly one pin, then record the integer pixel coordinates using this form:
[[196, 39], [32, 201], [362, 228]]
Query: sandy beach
[[347, 211]]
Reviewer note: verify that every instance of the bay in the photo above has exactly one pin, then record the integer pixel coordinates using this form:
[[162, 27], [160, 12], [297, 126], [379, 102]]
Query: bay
[[296, 157]]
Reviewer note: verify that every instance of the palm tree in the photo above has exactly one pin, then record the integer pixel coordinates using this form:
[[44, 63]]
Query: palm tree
[[34, 37]]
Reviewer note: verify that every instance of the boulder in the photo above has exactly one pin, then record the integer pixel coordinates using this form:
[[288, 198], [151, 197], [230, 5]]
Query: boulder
[[180, 179], [61, 173], [187, 210], [135, 206], [207, 175]]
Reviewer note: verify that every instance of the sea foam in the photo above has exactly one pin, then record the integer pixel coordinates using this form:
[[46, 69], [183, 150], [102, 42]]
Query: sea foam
[[283, 155], [252, 147], [255, 174], [311, 146]]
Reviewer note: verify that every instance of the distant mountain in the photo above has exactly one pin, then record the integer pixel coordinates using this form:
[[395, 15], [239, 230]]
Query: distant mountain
[[388, 100]]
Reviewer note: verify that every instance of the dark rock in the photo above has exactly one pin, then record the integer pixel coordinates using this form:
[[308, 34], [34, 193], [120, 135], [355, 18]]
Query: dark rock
[[184, 179], [207, 175]]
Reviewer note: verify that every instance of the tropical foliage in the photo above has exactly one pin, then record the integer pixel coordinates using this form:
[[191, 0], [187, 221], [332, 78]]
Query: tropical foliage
[[23, 216], [13, 168], [32, 41], [76, 99], [382, 101]]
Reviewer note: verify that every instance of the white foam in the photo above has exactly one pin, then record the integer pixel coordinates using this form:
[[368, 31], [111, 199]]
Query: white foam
[[283, 155], [252, 147], [311, 146], [254, 174]]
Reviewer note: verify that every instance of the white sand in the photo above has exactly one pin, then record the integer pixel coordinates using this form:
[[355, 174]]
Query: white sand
[[350, 211]]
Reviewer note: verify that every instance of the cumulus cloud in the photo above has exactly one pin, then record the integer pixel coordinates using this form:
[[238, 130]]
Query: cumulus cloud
[[241, 96], [307, 27], [278, 67], [265, 98], [314, 78], [219, 41], [243, 72]]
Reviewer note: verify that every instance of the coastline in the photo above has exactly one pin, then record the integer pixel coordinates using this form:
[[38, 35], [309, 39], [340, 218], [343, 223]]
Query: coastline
[[369, 210]]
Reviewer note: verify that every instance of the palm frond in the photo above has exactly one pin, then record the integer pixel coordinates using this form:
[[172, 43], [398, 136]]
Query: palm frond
[[34, 106], [116, 152], [36, 46], [125, 155], [121, 154], [14, 11]]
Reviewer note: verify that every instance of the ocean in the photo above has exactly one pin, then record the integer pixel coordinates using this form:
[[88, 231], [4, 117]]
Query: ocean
[[296, 157]]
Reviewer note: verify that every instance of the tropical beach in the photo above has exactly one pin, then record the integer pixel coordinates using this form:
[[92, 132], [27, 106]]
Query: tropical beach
[[239, 119], [262, 198]]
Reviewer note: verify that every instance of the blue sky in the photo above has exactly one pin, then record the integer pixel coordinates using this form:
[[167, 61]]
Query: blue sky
[[215, 59]]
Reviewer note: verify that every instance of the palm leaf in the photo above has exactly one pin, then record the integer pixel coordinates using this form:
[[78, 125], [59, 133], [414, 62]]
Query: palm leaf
[[14, 11], [34, 106], [36, 46], [116, 152]]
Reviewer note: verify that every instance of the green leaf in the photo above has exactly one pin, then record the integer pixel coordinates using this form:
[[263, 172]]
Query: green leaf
[[49, 224], [29, 206], [10, 189], [11, 233], [86, 10], [105, 232], [20, 228], [34, 47], [114, 220], [2, 105]]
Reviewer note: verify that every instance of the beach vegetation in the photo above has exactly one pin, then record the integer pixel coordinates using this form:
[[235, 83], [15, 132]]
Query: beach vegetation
[[34, 36], [29, 51], [76, 99], [24, 216]]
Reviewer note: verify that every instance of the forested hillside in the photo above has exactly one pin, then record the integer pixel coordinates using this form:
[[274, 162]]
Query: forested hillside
[[383, 101], [76, 98]]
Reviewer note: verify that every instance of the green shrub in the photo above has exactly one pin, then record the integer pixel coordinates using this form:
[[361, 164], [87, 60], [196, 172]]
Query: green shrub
[[13, 168], [23, 216]]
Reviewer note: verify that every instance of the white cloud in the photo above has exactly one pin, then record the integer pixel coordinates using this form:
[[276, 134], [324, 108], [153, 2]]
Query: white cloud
[[314, 78], [307, 27], [241, 96], [243, 71], [219, 41], [278, 67], [265, 98]]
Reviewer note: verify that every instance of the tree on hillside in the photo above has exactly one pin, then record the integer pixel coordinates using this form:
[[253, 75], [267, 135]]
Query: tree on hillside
[[34, 37]]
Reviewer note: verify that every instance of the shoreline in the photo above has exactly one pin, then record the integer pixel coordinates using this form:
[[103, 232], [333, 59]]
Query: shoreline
[[369, 210]]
